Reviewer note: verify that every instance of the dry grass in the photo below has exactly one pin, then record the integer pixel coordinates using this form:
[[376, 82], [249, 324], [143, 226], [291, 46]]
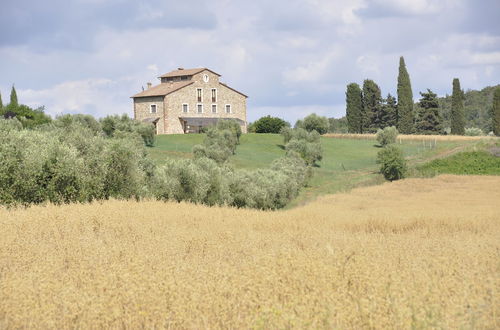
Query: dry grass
[[418, 253], [403, 137]]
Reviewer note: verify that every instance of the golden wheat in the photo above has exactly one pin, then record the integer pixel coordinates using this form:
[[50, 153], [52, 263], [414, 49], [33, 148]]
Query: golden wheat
[[418, 253], [403, 137]]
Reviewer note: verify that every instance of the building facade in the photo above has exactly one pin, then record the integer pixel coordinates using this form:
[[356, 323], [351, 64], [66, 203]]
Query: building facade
[[186, 100]]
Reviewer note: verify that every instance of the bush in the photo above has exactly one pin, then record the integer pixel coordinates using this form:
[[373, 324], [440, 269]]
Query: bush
[[313, 122], [69, 164], [120, 125], [392, 163], [269, 124], [387, 135], [474, 131], [304, 143], [232, 125], [218, 145]]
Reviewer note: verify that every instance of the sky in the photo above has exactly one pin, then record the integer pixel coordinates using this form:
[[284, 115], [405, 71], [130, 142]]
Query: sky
[[291, 57]]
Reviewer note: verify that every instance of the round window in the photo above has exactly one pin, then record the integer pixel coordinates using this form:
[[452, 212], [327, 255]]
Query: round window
[[205, 78]]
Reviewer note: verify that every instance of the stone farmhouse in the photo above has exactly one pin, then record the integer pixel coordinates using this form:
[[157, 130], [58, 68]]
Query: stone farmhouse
[[186, 100]]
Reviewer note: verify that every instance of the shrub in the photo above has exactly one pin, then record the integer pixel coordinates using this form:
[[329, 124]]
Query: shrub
[[474, 131], [218, 145], [269, 124], [232, 125], [392, 163], [119, 125], [387, 135], [311, 152], [313, 122]]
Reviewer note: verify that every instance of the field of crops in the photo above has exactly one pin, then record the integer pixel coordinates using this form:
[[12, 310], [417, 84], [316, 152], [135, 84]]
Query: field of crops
[[416, 253]]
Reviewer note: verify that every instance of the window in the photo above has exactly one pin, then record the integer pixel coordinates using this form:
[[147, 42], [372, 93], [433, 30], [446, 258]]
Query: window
[[152, 108], [214, 95], [184, 77], [200, 108], [185, 107], [214, 108], [198, 94], [228, 108]]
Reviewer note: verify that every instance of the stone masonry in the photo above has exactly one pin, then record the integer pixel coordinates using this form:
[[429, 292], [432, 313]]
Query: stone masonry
[[178, 105]]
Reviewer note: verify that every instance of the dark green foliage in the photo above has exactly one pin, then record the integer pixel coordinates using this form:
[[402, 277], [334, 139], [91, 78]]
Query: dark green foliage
[[496, 112], [313, 122], [477, 108], [387, 136], [457, 109], [469, 163], [428, 117], [392, 163], [354, 108], [13, 97], [338, 125], [372, 103], [27, 116], [388, 112], [118, 126], [1, 103], [405, 100], [269, 124]]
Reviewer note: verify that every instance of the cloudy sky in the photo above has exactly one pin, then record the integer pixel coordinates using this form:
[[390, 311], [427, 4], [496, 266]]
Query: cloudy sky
[[292, 57]]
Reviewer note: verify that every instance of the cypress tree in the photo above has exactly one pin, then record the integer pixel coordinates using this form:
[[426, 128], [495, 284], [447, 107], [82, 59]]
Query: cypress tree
[[1, 103], [457, 109], [405, 100], [496, 112], [354, 108], [388, 112], [13, 97], [428, 119], [372, 102]]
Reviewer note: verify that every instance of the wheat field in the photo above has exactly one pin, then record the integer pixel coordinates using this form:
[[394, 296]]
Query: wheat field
[[419, 253], [415, 137]]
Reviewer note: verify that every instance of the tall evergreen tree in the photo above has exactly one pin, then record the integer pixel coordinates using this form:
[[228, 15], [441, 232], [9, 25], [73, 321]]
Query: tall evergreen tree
[[496, 112], [372, 102], [457, 109], [13, 97], [388, 112], [405, 100], [354, 108], [428, 118], [1, 103]]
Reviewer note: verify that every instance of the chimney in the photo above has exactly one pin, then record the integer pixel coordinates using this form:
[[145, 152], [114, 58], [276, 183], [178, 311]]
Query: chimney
[[180, 69], [149, 85]]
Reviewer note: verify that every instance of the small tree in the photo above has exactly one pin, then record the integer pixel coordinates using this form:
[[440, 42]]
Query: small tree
[[392, 163], [428, 119], [496, 112], [387, 136], [372, 103], [313, 122], [457, 109], [354, 108], [13, 97], [269, 124], [388, 112], [405, 100]]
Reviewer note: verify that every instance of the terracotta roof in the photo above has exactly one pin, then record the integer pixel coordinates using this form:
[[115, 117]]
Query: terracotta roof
[[233, 89], [185, 72], [163, 89]]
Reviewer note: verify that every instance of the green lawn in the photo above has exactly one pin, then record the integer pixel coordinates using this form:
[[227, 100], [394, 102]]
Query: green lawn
[[346, 162]]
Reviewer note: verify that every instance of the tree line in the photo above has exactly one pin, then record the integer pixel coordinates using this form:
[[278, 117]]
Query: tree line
[[367, 111]]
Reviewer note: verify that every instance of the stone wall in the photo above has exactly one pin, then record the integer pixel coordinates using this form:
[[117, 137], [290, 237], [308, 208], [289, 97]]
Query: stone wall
[[142, 106]]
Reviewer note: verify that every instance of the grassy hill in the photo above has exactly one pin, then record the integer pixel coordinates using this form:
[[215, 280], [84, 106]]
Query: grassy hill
[[346, 163]]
